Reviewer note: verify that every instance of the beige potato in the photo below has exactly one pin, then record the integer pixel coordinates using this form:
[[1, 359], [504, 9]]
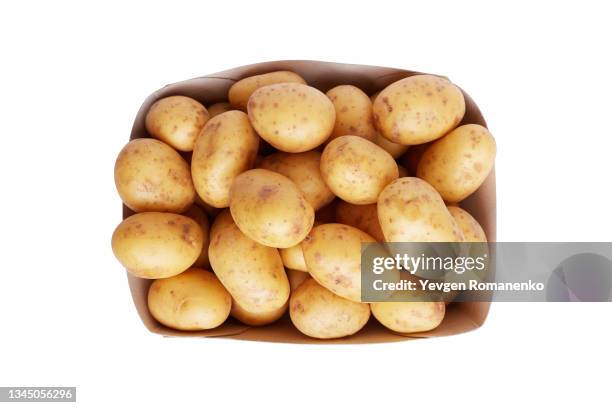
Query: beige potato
[[293, 258], [151, 176], [304, 170], [333, 257], [226, 147], [409, 317], [252, 273], [418, 109], [411, 210], [296, 278], [353, 112], [156, 245], [219, 108], [457, 164], [192, 300], [257, 318], [357, 170], [176, 120], [394, 149], [292, 117], [472, 231], [270, 209], [374, 96], [242, 90], [318, 313], [362, 217], [199, 216]]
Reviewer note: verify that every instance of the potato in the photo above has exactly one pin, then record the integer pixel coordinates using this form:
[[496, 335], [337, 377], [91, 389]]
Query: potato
[[411, 159], [293, 258], [472, 231], [157, 245], [459, 163], [292, 117], [362, 217], [151, 176], [374, 96], [418, 109], [270, 209], [296, 278], [411, 210], [353, 112], [409, 317], [333, 257], [318, 313], [199, 216], [242, 90], [303, 170], [257, 318], [219, 108], [394, 149], [192, 300], [226, 147], [176, 120], [251, 272], [357, 170]]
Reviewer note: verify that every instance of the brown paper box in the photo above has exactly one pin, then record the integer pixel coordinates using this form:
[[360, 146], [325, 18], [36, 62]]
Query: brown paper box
[[460, 317]]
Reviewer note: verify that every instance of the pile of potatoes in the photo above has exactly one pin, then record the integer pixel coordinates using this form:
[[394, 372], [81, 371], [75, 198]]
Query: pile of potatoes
[[260, 204]]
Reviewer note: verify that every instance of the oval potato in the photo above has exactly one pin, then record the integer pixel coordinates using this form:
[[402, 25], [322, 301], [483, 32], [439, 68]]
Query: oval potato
[[418, 109], [151, 176], [318, 313], [219, 108], [472, 231], [362, 217], [333, 257], [457, 164], [304, 170], [293, 258], [292, 117], [199, 216], [409, 317], [176, 120], [296, 278], [192, 300], [270, 209], [157, 245], [357, 170], [411, 210], [394, 149], [252, 273], [353, 112], [241, 91], [226, 147]]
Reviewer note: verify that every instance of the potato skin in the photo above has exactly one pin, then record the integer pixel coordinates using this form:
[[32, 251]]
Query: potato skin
[[156, 245], [362, 217], [176, 120], [292, 117], [199, 216], [296, 278], [318, 313], [353, 112], [226, 147], [472, 231], [219, 108], [293, 258], [192, 300], [394, 149], [418, 109], [357, 170], [411, 210], [151, 176], [333, 256], [304, 170], [409, 317], [457, 164], [252, 273], [270, 209], [241, 91], [257, 318]]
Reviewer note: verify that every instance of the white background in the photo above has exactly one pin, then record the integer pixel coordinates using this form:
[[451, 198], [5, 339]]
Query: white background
[[72, 78]]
